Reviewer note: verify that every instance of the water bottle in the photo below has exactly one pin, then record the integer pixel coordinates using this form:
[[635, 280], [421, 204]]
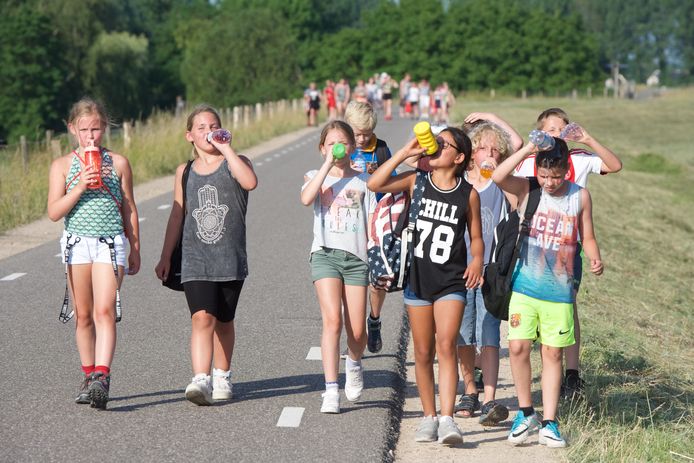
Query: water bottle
[[542, 140], [572, 132], [339, 151], [220, 136], [425, 137], [359, 162], [92, 158]]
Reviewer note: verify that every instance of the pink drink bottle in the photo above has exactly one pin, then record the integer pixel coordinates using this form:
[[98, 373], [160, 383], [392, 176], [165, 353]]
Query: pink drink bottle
[[220, 136]]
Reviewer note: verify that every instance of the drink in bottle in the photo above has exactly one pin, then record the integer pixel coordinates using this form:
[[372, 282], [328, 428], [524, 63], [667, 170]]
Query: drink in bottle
[[359, 162], [339, 151], [425, 137], [487, 168], [92, 158], [542, 140], [572, 132], [220, 136]]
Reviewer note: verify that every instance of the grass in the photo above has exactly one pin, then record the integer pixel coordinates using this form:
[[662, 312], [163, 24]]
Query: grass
[[157, 147], [637, 319]]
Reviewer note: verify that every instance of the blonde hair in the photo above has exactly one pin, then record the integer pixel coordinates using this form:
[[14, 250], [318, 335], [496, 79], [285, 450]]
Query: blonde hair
[[199, 109], [558, 112], [503, 140], [88, 106], [360, 115]]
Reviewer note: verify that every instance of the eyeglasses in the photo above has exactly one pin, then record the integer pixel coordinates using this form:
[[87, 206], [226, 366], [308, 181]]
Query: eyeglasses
[[444, 144]]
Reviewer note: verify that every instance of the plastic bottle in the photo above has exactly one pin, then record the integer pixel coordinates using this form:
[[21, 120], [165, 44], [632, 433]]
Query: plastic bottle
[[425, 137], [220, 136], [572, 132], [92, 158], [339, 151], [359, 162], [542, 140], [487, 168]]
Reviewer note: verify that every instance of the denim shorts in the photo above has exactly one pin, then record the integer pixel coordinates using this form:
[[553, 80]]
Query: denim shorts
[[413, 300], [479, 327], [89, 250], [336, 263]]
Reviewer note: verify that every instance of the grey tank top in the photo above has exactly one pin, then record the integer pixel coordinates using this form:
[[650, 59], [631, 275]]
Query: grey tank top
[[214, 233], [491, 210]]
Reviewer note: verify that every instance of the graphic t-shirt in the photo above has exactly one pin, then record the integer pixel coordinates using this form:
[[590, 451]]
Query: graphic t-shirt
[[545, 268], [581, 163], [341, 214]]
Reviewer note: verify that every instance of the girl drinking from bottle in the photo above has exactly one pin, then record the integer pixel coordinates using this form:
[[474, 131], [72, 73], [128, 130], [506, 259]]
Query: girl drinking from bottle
[[439, 277], [342, 205], [96, 200], [212, 217]]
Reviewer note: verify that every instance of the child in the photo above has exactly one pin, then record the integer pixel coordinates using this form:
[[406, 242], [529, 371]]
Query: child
[[329, 95], [212, 228], [362, 118], [479, 332], [100, 213], [581, 163], [541, 305], [342, 205], [312, 104], [439, 277]]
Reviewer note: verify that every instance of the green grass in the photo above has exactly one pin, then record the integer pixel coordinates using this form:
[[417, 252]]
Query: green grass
[[637, 319]]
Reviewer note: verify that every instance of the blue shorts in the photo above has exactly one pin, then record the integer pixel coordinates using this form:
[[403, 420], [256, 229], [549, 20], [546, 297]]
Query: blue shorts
[[413, 300], [479, 327]]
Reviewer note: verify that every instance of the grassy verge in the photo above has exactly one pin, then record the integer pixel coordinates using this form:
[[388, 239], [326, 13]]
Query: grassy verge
[[637, 318], [157, 147]]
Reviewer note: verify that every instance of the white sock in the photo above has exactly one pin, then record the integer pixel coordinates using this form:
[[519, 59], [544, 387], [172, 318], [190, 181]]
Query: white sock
[[352, 363], [222, 373], [331, 387]]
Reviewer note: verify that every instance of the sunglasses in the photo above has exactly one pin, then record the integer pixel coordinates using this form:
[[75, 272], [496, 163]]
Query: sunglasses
[[444, 144]]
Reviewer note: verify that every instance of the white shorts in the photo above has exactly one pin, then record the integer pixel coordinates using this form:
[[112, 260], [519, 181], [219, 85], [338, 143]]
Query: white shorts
[[90, 250]]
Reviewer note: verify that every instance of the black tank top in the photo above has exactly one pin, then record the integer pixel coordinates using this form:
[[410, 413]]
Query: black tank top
[[440, 252]]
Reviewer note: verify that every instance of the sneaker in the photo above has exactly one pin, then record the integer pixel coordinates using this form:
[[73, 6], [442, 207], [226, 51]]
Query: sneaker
[[493, 413], [221, 385], [100, 383], [448, 432], [354, 383], [331, 402], [522, 427], [428, 430], [83, 395], [572, 387], [549, 436], [374, 343], [199, 391]]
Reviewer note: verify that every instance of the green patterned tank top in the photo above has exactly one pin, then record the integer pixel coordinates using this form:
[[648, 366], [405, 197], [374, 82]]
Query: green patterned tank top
[[97, 213]]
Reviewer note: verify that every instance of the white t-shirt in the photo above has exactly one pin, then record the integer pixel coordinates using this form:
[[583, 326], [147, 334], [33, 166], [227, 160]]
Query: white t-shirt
[[581, 163], [341, 214]]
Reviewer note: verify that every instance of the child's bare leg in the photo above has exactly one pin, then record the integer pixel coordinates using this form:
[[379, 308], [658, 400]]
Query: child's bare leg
[[551, 380], [81, 288], [466, 358], [490, 371], [223, 344], [201, 344], [447, 317], [519, 353], [105, 284], [355, 320], [329, 291], [572, 352], [423, 338]]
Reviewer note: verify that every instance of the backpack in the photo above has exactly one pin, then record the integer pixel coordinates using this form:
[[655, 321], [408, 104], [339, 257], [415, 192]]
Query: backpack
[[508, 238], [390, 237], [382, 152], [173, 279]]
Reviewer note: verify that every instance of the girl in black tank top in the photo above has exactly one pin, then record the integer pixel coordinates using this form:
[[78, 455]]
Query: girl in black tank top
[[449, 206]]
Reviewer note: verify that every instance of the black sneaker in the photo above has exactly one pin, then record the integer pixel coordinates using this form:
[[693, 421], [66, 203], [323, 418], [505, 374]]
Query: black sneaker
[[374, 343], [572, 387], [479, 381], [83, 394], [98, 389]]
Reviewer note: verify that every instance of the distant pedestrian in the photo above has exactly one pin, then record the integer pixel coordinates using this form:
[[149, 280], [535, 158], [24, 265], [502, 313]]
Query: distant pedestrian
[[312, 104]]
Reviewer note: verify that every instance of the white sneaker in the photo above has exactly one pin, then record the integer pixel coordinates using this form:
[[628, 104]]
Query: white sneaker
[[199, 391], [221, 385], [448, 432], [331, 402], [354, 382]]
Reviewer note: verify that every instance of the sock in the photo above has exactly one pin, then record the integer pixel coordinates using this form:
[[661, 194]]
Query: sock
[[223, 373], [527, 411], [331, 386], [375, 319], [102, 369], [546, 422], [572, 373], [352, 363], [88, 369]]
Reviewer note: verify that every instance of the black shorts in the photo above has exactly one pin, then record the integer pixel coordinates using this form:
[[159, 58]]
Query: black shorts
[[387, 96], [314, 104], [218, 298]]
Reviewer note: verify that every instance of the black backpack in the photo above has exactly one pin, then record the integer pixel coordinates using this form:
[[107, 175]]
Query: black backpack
[[508, 237]]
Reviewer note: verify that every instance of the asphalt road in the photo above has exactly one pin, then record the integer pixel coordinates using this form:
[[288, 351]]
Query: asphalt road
[[278, 323]]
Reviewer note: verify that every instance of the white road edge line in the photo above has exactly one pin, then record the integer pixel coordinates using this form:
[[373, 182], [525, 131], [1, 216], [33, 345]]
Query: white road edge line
[[290, 417], [12, 276]]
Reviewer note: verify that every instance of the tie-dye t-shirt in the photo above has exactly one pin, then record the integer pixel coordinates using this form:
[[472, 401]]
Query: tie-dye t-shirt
[[341, 213], [545, 269]]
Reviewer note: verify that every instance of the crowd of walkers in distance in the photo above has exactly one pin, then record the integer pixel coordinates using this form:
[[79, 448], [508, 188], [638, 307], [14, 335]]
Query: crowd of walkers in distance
[[416, 100]]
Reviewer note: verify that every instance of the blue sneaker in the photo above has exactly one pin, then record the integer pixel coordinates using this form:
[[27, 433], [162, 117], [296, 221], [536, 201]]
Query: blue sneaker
[[522, 427], [549, 436]]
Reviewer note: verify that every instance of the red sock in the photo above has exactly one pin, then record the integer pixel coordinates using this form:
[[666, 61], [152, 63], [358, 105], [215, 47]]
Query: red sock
[[88, 369], [103, 369]]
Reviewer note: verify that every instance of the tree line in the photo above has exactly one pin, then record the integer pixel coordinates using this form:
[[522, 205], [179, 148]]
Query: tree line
[[137, 55]]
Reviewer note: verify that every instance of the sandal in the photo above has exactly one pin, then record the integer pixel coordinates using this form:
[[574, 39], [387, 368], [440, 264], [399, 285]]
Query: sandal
[[467, 405], [493, 413]]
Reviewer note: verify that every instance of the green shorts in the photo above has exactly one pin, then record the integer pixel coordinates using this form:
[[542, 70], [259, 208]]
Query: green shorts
[[551, 323], [336, 263]]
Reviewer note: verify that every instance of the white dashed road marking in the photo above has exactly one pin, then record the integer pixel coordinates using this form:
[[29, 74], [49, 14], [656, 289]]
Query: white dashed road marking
[[164, 207], [290, 417], [12, 276], [314, 353], [268, 159], [142, 219]]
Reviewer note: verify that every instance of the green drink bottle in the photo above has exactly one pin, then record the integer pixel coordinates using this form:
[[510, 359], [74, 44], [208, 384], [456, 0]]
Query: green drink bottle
[[339, 151]]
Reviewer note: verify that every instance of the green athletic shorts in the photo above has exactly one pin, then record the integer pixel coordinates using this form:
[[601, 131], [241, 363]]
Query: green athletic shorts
[[551, 323], [336, 263]]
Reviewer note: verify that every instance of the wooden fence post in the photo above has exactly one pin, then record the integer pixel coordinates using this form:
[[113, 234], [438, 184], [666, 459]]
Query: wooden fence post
[[237, 117], [24, 149], [246, 115], [524, 94], [574, 94], [56, 149], [492, 93], [126, 134], [589, 92], [108, 136], [258, 112], [49, 137]]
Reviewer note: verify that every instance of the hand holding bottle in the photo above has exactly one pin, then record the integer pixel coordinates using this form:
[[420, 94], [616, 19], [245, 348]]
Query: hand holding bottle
[[542, 140], [425, 137], [221, 136], [572, 132]]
